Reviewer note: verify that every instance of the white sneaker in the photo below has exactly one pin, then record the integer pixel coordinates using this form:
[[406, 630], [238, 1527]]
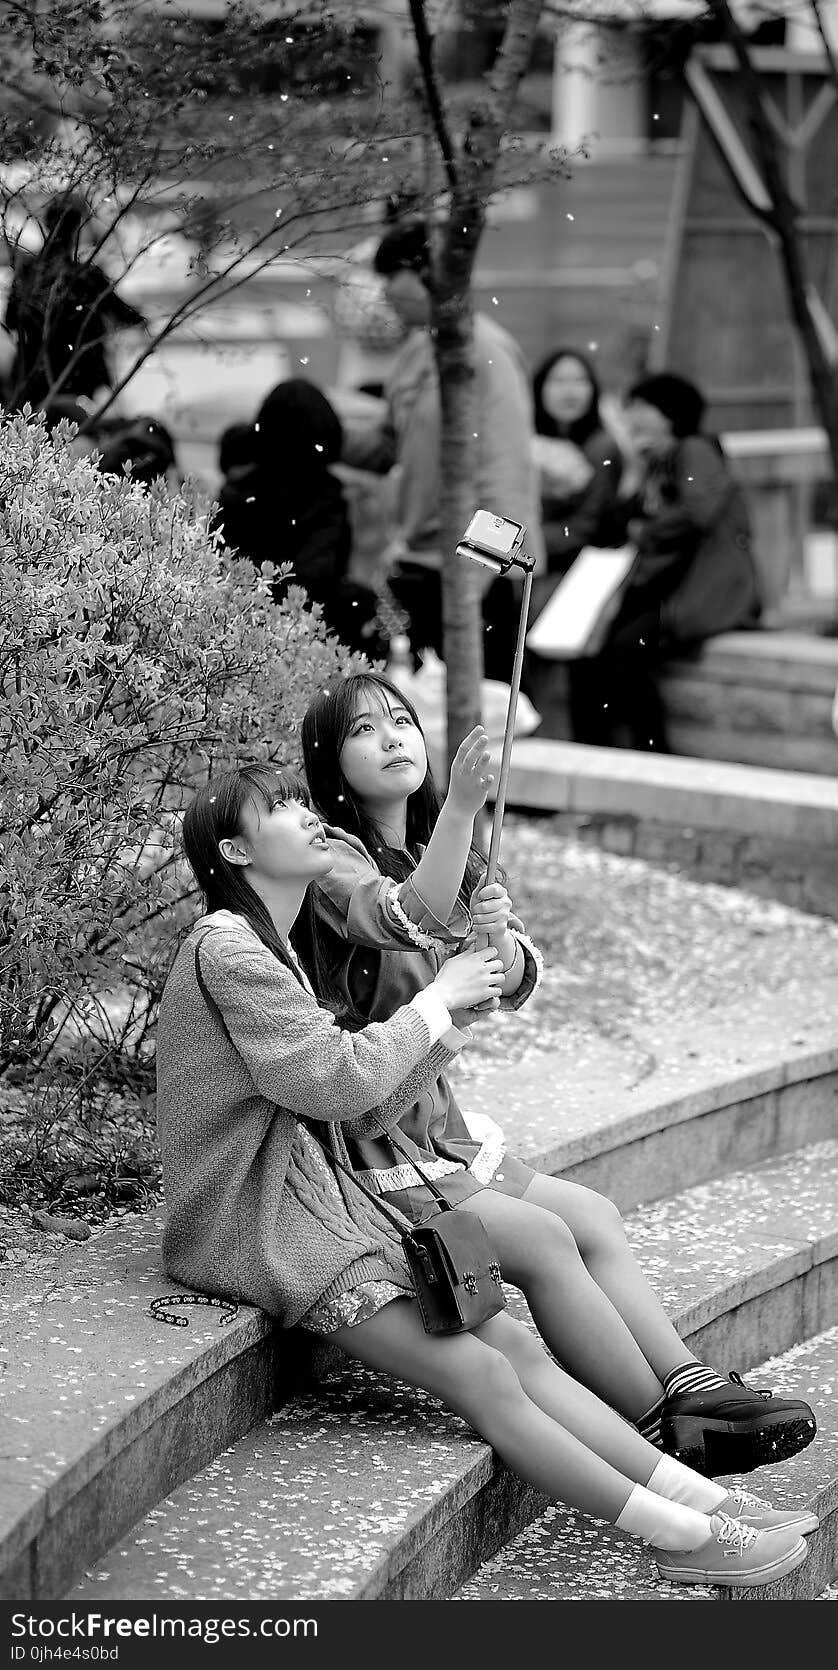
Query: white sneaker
[[751, 1510], [735, 1555]]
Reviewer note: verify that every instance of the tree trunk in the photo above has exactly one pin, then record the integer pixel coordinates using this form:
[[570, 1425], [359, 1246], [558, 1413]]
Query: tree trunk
[[783, 219], [470, 170], [462, 621]]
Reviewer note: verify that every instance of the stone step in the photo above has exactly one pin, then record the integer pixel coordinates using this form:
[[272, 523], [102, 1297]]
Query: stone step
[[365, 1489], [750, 825], [634, 1116], [111, 1410], [565, 1556], [560, 776], [759, 698]]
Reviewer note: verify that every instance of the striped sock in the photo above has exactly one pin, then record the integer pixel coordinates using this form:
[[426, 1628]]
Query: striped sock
[[649, 1425], [692, 1377]]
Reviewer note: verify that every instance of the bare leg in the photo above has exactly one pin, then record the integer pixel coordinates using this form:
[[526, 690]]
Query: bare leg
[[475, 1378], [597, 1229], [574, 1316], [590, 1420]]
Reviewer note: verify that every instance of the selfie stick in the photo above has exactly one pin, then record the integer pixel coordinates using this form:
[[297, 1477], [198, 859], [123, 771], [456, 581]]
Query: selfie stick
[[473, 547]]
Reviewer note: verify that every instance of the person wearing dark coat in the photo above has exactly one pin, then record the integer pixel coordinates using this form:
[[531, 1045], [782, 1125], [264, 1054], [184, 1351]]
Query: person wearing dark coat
[[287, 506], [694, 574], [61, 310]]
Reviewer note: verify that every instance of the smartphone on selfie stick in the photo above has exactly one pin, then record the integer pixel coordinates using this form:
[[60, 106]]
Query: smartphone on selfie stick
[[498, 543]]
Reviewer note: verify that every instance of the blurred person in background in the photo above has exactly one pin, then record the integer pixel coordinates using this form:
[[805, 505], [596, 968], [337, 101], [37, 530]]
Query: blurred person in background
[[408, 435], [146, 447], [694, 574], [287, 505], [61, 310], [579, 460]]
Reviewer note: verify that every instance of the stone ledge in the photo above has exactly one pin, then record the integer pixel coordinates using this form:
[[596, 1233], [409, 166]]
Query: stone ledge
[[638, 1116], [786, 659], [365, 1489], [759, 698], [722, 1092], [793, 806], [82, 1496]]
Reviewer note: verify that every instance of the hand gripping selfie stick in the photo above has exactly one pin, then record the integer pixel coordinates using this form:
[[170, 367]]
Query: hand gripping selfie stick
[[498, 544]]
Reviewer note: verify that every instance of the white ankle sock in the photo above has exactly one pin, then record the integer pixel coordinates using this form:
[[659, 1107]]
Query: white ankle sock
[[680, 1484], [662, 1523]]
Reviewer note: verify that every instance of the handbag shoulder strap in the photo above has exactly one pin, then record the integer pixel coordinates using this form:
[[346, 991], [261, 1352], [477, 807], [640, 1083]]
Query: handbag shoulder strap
[[330, 1156], [412, 1161]]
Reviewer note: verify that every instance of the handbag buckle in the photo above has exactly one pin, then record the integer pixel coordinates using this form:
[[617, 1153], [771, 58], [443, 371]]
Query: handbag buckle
[[469, 1281], [427, 1264], [494, 1272]]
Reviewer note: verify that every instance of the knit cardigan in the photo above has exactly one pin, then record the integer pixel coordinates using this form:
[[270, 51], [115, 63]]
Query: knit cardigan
[[255, 1213]]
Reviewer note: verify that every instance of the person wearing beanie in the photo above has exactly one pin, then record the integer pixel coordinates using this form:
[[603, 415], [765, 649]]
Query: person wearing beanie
[[694, 575], [409, 436], [288, 506]]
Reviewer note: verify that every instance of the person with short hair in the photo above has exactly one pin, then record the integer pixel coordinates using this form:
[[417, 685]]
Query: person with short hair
[[409, 436], [694, 575]]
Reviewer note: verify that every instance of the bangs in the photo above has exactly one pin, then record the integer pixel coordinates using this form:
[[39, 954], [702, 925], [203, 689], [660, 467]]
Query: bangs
[[380, 693], [268, 784]]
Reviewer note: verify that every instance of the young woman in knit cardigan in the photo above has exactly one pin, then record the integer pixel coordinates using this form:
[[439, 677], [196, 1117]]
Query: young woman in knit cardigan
[[249, 1065], [564, 1245]]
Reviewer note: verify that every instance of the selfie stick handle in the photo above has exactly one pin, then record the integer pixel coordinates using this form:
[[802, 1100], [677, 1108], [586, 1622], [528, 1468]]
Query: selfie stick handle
[[509, 730]]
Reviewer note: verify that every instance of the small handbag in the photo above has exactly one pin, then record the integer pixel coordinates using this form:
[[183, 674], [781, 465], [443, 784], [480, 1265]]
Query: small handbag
[[453, 1266], [452, 1263], [454, 1271]]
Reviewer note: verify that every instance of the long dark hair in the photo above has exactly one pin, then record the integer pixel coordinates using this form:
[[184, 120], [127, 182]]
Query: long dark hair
[[214, 815], [582, 428], [326, 725]]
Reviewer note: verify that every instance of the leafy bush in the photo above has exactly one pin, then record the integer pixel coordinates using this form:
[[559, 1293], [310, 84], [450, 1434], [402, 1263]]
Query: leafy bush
[[134, 655]]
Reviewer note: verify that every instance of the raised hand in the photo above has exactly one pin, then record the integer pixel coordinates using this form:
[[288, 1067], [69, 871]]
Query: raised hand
[[471, 777]]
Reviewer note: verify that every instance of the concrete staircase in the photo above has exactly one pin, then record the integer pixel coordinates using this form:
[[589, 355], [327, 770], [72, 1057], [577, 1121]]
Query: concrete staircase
[[562, 1556], [149, 1462]]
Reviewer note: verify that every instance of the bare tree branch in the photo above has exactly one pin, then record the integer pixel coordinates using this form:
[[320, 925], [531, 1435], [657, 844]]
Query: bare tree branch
[[425, 54]]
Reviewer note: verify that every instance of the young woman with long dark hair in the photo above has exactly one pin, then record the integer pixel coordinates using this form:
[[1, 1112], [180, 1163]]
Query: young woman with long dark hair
[[580, 462], [564, 1245], [251, 1066]]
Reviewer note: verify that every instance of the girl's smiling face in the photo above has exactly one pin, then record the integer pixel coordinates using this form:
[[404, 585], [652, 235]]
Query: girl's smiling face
[[283, 841], [383, 757]]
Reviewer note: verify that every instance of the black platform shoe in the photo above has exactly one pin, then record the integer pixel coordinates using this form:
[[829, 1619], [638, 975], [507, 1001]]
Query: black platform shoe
[[733, 1428]]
